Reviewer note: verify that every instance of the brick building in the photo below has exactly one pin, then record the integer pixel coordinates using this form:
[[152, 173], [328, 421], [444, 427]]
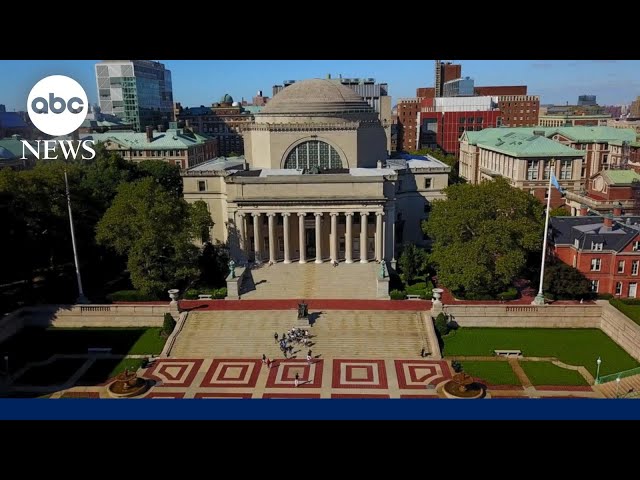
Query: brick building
[[625, 152], [408, 109], [500, 90], [519, 110], [607, 191], [445, 72], [606, 249]]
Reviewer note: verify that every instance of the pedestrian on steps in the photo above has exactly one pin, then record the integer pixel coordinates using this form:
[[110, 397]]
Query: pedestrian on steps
[[264, 359], [297, 380], [275, 337]]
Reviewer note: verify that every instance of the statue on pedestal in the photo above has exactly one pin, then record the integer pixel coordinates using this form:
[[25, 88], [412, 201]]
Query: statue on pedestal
[[383, 269], [232, 268], [303, 310]]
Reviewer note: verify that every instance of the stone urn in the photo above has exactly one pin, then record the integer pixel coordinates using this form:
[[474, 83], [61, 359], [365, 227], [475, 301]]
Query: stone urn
[[173, 293], [437, 294]]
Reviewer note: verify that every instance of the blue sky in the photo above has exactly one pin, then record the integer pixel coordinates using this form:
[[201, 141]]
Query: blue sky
[[201, 82]]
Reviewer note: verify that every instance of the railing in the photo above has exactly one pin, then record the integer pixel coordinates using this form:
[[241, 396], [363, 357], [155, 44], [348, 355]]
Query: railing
[[99, 308], [613, 377], [522, 309]]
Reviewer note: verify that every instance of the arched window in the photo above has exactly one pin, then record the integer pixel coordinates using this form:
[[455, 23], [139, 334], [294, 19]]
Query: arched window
[[313, 153]]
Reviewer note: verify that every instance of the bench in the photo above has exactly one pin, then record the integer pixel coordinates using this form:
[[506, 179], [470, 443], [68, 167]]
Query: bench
[[508, 353], [205, 297], [96, 350], [413, 297]]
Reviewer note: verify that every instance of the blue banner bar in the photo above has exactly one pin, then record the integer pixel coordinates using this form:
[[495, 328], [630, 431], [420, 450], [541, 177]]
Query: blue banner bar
[[319, 409]]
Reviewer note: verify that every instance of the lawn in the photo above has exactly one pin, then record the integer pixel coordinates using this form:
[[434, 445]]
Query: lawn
[[103, 369], [494, 373], [630, 310], [55, 373], [546, 373], [36, 344], [573, 346]]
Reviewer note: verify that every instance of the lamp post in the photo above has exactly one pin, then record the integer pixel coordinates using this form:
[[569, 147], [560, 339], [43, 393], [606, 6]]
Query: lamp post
[[617, 385], [599, 361]]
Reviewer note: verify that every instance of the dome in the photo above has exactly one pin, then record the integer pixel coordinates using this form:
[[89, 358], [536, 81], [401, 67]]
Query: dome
[[316, 96], [235, 104], [226, 99]]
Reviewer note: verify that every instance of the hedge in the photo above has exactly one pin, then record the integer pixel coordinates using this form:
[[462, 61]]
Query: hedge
[[510, 294], [130, 296], [168, 325], [398, 294], [217, 293]]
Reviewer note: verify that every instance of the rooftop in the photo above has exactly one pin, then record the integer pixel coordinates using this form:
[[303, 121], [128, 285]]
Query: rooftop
[[521, 144], [591, 228], [172, 138], [220, 164], [316, 96], [620, 177], [577, 134], [11, 147]]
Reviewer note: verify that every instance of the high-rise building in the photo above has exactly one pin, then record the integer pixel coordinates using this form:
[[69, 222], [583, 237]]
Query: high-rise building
[[634, 111], [137, 91], [587, 101], [519, 110], [445, 72]]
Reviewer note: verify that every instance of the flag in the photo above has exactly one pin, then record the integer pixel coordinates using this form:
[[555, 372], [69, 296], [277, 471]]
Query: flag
[[555, 183]]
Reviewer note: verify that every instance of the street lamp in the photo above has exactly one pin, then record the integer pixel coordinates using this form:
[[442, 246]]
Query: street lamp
[[617, 385], [599, 361]]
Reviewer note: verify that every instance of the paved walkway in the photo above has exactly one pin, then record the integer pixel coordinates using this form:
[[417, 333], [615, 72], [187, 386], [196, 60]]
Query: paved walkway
[[314, 304]]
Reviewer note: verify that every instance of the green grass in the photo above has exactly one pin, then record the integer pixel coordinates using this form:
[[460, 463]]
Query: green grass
[[546, 373], [36, 344], [104, 369], [494, 373], [54, 373], [573, 346], [631, 311]]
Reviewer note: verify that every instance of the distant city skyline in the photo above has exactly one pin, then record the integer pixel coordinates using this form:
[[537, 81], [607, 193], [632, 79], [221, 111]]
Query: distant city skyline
[[201, 82]]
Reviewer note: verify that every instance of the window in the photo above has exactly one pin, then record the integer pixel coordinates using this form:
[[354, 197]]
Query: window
[[460, 130], [595, 264], [605, 159], [478, 119], [202, 186], [576, 243], [636, 246], [575, 261], [548, 166], [594, 285], [619, 288], [427, 183], [634, 267], [621, 266], [470, 120], [532, 170], [583, 172], [565, 169], [462, 119], [596, 246], [313, 153]]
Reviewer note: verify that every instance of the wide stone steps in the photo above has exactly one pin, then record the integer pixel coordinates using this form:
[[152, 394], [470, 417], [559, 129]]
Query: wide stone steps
[[310, 280], [350, 334], [628, 387]]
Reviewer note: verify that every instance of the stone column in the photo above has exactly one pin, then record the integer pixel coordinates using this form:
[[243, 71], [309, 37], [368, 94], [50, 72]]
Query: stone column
[[348, 241], [333, 238], [318, 237], [285, 229], [363, 237], [241, 235], [379, 254], [272, 238], [256, 236], [302, 242]]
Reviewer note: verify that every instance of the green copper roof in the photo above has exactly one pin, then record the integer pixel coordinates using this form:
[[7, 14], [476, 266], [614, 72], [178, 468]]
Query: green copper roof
[[161, 140], [621, 177], [12, 146], [520, 144], [635, 143], [577, 134]]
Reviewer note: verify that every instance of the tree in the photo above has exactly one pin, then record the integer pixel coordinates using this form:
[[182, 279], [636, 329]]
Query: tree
[[483, 235], [166, 174], [214, 265], [448, 159], [413, 262], [560, 211], [155, 230], [563, 282]]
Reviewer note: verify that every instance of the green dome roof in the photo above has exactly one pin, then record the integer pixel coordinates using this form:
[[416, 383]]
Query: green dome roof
[[226, 98]]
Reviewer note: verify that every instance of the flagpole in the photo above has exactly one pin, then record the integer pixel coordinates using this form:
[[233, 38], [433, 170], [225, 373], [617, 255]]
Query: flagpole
[[539, 300], [81, 297]]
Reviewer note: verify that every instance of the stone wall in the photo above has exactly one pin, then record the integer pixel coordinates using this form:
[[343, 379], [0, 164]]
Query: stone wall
[[622, 330], [526, 316]]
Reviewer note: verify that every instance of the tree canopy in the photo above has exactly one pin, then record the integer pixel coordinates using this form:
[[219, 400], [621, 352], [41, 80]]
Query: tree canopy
[[563, 282], [412, 262], [482, 236]]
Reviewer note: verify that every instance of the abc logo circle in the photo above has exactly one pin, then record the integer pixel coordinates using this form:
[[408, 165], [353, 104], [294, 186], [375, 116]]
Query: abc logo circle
[[57, 105]]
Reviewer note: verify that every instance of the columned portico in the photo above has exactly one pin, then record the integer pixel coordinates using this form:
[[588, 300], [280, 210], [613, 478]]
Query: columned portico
[[285, 229], [363, 237], [301, 240], [329, 236]]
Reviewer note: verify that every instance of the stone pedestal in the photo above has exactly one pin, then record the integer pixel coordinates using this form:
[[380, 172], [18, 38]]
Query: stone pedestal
[[382, 287], [234, 284], [173, 306]]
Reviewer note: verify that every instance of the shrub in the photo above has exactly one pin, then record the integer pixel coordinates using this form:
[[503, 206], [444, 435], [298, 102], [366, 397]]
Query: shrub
[[168, 325], [191, 294], [442, 325], [510, 294], [130, 296], [605, 296], [220, 293], [419, 288], [397, 294], [630, 301], [457, 366]]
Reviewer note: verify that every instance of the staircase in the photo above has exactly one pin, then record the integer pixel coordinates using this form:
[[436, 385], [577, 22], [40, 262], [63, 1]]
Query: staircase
[[629, 388], [336, 334], [311, 280]]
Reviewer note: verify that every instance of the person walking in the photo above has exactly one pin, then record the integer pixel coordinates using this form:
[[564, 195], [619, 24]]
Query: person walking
[[268, 363], [275, 337], [309, 353], [264, 359], [297, 380], [309, 360]]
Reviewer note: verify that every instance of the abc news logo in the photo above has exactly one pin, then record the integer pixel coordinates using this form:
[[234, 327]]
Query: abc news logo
[[57, 105]]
